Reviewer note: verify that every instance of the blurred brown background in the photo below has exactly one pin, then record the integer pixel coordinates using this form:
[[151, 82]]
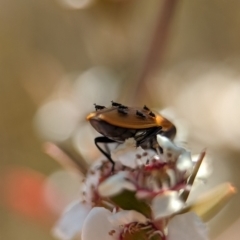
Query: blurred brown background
[[59, 52]]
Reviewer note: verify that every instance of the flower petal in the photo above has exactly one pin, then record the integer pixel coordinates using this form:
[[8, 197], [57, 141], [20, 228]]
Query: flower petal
[[97, 226], [131, 156], [186, 227], [170, 150], [184, 161], [92, 181], [205, 169], [125, 217], [71, 221], [115, 185], [166, 204]]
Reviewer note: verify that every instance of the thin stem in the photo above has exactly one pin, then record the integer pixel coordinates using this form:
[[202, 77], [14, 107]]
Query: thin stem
[[185, 193], [158, 46], [65, 157]]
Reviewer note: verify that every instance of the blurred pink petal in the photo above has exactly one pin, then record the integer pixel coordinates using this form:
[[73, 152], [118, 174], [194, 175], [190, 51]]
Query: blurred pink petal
[[23, 193]]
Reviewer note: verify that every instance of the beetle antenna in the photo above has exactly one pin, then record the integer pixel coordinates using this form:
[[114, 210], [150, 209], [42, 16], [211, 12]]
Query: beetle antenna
[[140, 114], [123, 107], [122, 110]]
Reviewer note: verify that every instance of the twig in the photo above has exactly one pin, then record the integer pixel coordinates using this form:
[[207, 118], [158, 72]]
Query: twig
[[157, 47], [64, 158]]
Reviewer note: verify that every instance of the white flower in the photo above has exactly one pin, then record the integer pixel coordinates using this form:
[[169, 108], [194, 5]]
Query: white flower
[[71, 222], [131, 156], [144, 196], [116, 184], [98, 226], [100, 223], [170, 151], [166, 204]]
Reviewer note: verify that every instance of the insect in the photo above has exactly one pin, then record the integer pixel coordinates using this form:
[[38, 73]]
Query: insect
[[118, 123]]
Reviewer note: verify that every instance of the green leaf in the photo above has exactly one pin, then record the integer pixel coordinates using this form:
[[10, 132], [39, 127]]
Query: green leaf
[[127, 201]]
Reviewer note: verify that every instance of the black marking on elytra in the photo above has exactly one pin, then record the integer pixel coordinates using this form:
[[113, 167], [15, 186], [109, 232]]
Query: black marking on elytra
[[146, 108], [122, 110], [115, 104], [98, 107], [152, 114], [123, 107], [140, 114]]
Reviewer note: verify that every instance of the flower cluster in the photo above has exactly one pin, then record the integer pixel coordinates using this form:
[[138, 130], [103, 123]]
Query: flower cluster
[[144, 197]]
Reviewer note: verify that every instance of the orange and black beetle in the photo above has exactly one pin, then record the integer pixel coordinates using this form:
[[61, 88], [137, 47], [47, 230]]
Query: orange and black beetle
[[118, 123]]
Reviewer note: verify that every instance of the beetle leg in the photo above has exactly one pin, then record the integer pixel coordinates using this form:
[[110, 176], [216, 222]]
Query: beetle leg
[[105, 153], [149, 135]]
